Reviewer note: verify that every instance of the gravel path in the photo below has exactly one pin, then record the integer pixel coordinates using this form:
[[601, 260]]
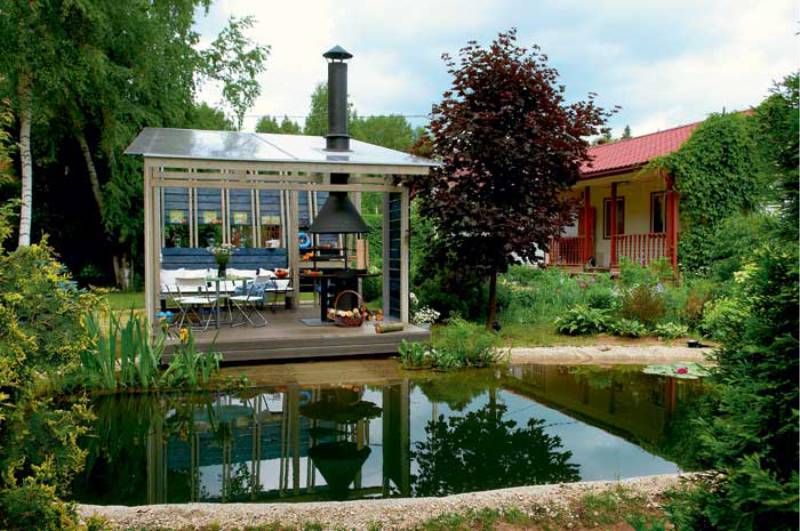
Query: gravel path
[[639, 355], [397, 513]]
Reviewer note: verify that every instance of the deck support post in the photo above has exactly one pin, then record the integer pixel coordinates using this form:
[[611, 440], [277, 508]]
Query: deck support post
[[293, 245], [152, 245], [613, 222], [587, 226], [672, 216]]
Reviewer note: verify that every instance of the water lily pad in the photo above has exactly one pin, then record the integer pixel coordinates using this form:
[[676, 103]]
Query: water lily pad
[[684, 371]]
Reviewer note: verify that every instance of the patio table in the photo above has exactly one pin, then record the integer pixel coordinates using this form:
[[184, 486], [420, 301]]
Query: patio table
[[217, 280]]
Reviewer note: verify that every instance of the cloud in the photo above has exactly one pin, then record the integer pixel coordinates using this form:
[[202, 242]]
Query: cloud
[[665, 63]]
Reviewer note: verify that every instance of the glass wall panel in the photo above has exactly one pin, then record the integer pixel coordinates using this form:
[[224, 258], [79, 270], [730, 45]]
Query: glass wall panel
[[209, 217], [269, 202], [176, 217], [240, 212]]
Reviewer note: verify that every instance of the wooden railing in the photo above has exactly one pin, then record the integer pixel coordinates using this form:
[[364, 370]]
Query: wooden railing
[[641, 248], [566, 251]]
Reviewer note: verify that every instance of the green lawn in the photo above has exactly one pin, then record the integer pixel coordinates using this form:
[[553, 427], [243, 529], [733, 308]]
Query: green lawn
[[135, 300], [126, 300]]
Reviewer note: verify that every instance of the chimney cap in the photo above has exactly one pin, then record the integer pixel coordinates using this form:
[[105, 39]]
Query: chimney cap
[[337, 53]]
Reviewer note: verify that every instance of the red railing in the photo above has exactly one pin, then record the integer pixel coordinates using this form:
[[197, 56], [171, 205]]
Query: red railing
[[566, 251], [641, 248]]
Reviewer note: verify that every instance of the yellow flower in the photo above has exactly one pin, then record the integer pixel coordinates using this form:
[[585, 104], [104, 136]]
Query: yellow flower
[[183, 335]]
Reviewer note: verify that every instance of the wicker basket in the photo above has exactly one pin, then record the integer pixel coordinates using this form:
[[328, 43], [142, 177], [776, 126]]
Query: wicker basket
[[348, 321]]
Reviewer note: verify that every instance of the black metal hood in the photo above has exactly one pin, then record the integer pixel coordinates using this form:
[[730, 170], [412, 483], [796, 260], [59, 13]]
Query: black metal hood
[[338, 215]]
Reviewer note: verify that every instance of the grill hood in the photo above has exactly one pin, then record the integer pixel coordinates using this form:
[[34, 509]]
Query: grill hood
[[338, 216]]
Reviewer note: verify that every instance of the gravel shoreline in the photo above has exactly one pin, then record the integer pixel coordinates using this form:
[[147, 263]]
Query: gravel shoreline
[[395, 513], [635, 355]]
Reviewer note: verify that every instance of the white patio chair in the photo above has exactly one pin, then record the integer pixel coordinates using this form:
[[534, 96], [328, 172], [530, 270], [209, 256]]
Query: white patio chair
[[275, 287], [247, 303], [193, 294]]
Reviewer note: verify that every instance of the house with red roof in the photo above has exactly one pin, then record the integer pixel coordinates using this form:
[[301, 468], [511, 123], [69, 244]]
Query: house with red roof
[[626, 210]]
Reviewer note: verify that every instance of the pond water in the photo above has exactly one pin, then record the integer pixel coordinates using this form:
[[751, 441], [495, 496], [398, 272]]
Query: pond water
[[419, 434]]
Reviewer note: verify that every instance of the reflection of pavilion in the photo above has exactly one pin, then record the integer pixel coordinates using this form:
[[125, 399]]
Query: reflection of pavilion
[[275, 445]]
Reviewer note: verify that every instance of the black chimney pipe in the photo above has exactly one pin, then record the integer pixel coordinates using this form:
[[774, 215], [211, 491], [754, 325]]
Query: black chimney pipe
[[337, 138], [338, 215]]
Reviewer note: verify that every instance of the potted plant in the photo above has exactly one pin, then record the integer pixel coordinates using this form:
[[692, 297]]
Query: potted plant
[[222, 255]]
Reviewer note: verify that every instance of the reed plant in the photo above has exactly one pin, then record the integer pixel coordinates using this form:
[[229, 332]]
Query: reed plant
[[127, 356]]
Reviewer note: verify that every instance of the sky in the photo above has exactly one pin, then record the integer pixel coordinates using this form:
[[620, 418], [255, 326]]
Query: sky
[[665, 63]]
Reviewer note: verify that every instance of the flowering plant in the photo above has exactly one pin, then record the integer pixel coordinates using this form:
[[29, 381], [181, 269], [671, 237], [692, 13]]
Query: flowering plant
[[222, 253], [425, 315]]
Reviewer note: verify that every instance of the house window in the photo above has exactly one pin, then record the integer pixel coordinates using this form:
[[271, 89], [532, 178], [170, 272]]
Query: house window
[[607, 217], [658, 212]]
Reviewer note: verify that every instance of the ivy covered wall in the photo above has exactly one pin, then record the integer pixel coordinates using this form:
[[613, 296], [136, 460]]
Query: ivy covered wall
[[719, 173]]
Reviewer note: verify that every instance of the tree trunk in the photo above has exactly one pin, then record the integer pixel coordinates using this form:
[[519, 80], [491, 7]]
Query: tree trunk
[[25, 93], [492, 314], [122, 271], [93, 179]]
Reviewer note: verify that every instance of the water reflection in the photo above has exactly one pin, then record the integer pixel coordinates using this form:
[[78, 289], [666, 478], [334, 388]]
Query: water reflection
[[483, 450], [426, 435]]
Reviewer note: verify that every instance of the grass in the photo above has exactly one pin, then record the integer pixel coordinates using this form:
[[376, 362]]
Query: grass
[[126, 300]]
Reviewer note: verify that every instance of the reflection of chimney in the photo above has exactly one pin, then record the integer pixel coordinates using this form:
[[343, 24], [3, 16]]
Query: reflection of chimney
[[337, 138], [338, 215]]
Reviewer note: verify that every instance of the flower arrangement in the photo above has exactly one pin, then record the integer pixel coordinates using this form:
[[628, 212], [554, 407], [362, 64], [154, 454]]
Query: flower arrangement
[[222, 253]]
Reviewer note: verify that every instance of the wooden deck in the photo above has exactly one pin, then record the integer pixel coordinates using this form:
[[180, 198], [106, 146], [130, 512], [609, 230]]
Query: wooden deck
[[287, 337]]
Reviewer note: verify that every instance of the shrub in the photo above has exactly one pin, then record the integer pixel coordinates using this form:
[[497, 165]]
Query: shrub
[[35, 506], [671, 330], [632, 274], [602, 297], [699, 293], [723, 318], [41, 335], [643, 303], [462, 343], [415, 355], [628, 328], [583, 320]]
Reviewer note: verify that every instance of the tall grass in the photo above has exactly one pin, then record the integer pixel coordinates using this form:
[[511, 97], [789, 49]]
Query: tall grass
[[129, 357], [538, 296], [121, 356]]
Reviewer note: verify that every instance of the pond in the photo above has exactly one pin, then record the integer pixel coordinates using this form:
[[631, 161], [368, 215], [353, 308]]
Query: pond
[[411, 434]]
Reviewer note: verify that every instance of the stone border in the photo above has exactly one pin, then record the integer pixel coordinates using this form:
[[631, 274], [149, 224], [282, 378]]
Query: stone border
[[393, 513], [634, 355]]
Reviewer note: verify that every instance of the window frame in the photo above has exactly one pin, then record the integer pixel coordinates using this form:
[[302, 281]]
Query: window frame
[[663, 195]]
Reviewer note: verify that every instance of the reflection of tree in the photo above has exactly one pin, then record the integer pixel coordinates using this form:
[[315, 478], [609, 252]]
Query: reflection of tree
[[603, 377], [481, 451], [458, 389]]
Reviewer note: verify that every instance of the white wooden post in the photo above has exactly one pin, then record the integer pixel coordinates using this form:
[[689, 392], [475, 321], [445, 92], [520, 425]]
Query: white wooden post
[[149, 297], [292, 245]]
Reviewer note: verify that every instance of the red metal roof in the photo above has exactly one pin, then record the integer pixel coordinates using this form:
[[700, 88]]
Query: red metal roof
[[633, 153]]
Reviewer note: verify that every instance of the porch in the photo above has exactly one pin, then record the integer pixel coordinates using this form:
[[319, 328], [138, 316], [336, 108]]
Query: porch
[[642, 227]]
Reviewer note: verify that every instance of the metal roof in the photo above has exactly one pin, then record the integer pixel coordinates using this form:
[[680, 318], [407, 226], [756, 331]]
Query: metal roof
[[262, 147], [633, 153]]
